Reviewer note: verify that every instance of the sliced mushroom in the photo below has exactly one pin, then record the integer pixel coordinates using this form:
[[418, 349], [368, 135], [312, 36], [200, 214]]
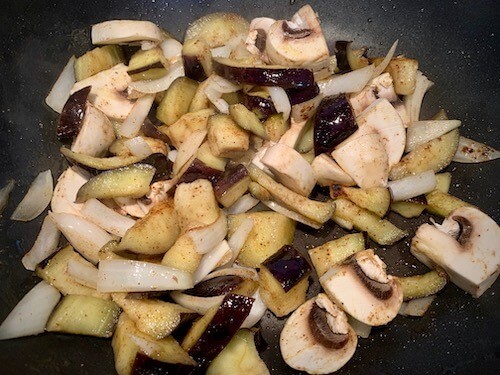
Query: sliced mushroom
[[465, 245], [317, 338], [380, 87], [364, 290], [297, 42], [328, 172], [256, 40], [68, 184]]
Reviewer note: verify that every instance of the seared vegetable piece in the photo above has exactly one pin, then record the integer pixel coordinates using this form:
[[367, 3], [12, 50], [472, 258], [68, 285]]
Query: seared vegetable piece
[[305, 142], [433, 155], [334, 122], [357, 57], [232, 185], [275, 126], [442, 204], [443, 182], [270, 232], [197, 59], [198, 169], [101, 164], [70, 120], [155, 233], [263, 75], [151, 131], [182, 255], [262, 107], [381, 231], [404, 74], [287, 266], [149, 64], [176, 101], [162, 165], [239, 357], [97, 60], [132, 181], [422, 285], [301, 95], [247, 120], [376, 200], [205, 155], [180, 130], [225, 137], [335, 252], [84, 315], [408, 209]]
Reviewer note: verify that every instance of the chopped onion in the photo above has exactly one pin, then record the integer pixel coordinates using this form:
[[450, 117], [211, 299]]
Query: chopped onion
[[161, 84], [207, 237], [197, 304], [172, 155], [258, 310], [416, 307], [31, 314], [217, 86], [412, 186], [280, 100], [187, 149], [243, 204], [420, 132], [239, 238], [59, 94], [347, 83], [118, 275], [470, 151], [68, 184], [291, 214], [413, 102], [130, 206], [45, 245], [210, 260], [146, 45], [4, 194], [362, 329], [108, 219], [84, 273], [379, 69], [171, 48], [86, 237], [36, 199], [138, 147], [132, 124], [225, 50], [125, 31]]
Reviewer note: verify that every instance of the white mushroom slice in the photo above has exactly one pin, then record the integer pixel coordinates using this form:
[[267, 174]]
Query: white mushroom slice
[[472, 259], [328, 172], [68, 184], [290, 168], [297, 42], [317, 338], [379, 87], [125, 31], [364, 290], [365, 160], [256, 39]]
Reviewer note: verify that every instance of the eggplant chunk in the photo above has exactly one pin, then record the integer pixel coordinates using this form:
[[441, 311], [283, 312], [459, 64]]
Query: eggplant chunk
[[97, 60], [232, 185], [420, 286], [176, 101], [442, 204], [197, 59], [376, 199], [225, 137], [71, 118]]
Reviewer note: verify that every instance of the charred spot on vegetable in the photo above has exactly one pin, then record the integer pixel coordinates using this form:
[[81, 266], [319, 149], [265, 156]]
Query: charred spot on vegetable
[[294, 33], [465, 229], [144, 365], [71, 118], [301, 95], [380, 290], [341, 54], [216, 286], [334, 122], [287, 266], [162, 164], [262, 107], [321, 330]]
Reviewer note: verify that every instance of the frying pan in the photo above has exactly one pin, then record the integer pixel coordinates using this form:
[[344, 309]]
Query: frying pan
[[457, 45]]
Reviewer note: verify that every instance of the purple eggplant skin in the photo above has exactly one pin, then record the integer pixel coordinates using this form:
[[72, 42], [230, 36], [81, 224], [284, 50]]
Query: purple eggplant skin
[[288, 267], [302, 95], [420, 199], [150, 130], [193, 68], [144, 365], [228, 319], [216, 286], [262, 107], [341, 55], [71, 118], [162, 164], [198, 170], [334, 122], [230, 177]]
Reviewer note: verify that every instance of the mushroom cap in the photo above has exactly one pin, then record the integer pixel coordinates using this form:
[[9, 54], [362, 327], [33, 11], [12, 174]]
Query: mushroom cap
[[302, 351]]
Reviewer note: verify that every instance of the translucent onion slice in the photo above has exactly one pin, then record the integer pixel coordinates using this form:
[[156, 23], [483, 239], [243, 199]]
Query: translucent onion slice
[[132, 124], [31, 314], [161, 84], [45, 245], [106, 218], [5, 193], [59, 94], [242, 205], [36, 199], [207, 237], [347, 83], [362, 329], [217, 86], [125, 31], [421, 132], [86, 237], [225, 50], [171, 48], [187, 149], [83, 272], [412, 186], [239, 237], [280, 100], [291, 214], [470, 151], [210, 260], [413, 102], [172, 155], [138, 147], [258, 310], [379, 69], [416, 307], [133, 276]]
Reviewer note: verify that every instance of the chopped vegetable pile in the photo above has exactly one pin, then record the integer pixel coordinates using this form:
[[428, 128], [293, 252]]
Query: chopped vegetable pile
[[190, 166]]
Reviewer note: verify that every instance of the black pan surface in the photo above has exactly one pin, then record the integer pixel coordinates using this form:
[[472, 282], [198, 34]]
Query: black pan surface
[[457, 44]]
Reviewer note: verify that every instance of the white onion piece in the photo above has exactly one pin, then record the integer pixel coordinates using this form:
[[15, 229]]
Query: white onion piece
[[416, 307], [379, 69], [68, 184], [132, 124], [36, 199], [138, 147], [210, 260], [207, 237], [4, 194], [83, 272], [412, 186], [470, 151], [280, 100], [125, 31], [187, 149], [31, 314], [239, 238], [45, 245], [362, 329], [257, 311], [130, 206], [197, 304], [172, 155], [420, 132], [86, 237], [347, 83], [291, 214], [161, 84], [413, 102], [217, 86], [242, 205], [115, 78], [118, 275], [108, 219], [226, 49], [171, 48], [59, 94]]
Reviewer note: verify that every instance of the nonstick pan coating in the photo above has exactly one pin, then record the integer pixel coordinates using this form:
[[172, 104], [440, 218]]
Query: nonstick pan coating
[[457, 44]]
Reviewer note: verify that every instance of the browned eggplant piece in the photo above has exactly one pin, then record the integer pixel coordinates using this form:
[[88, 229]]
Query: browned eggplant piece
[[288, 266], [263, 75], [197, 59], [71, 118], [151, 130], [341, 54], [232, 185], [198, 170], [216, 286], [334, 122], [162, 164], [302, 95], [262, 107]]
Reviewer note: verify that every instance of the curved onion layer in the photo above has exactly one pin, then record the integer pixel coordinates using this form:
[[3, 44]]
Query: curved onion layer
[[347, 83], [217, 86], [379, 69], [413, 102], [125, 31], [421, 132], [83, 272], [362, 329], [412, 186], [4, 194], [207, 237], [171, 49], [242, 205], [239, 237], [138, 147], [31, 314], [36, 199], [210, 260], [280, 100], [118, 275], [60, 92], [416, 307], [291, 214], [45, 245], [470, 151], [258, 310], [188, 149], [108, 219], [132, 124], [161, 84]]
